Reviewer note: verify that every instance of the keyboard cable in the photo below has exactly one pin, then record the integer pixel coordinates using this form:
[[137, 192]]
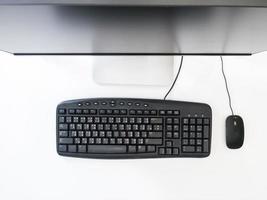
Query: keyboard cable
[[224, 76], [177, 75], [226, 86]]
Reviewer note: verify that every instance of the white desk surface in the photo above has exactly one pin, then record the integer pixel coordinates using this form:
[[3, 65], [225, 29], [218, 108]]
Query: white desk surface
[[30, 169]]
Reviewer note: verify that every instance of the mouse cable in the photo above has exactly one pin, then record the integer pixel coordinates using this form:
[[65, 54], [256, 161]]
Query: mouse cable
[[226, 86], [177, 75]]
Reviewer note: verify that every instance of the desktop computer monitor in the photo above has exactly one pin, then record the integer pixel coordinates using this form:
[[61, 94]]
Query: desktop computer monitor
[[136, 128], [102, 27]]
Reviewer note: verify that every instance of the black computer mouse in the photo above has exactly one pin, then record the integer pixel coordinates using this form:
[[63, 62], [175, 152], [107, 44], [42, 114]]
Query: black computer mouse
[[234, 132]]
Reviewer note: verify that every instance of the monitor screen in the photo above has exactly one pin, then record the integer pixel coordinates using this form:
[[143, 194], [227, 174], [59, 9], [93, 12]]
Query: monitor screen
[[102, 30]]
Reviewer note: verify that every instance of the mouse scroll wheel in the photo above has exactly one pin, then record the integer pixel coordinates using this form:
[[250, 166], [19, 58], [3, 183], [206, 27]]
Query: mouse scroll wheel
[[235, 123]]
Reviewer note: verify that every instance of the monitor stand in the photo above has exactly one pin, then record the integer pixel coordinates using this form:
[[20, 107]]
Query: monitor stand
[[134, 70]]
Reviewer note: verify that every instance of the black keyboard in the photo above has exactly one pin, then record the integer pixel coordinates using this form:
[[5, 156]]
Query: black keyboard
[[133, 128]]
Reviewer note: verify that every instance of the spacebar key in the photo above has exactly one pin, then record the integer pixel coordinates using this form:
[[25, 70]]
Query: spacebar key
[[106, 149]]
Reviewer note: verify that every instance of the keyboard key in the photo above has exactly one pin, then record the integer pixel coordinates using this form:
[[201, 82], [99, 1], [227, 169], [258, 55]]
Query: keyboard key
[[63, 126], [88, 133], [82, 148], [133, 141], [91, 140], [132, 112], [126, 141], [71, 111], [153, 141], [69, 119], [176, 121], [156, 120], [176, 127], [62, 148], [199, 149], [93, 111], [185, 128], [185, 121], [155, 134], [81, 133], [144, 134], [157, 128], [161, 151], [61, 111], [206, 121], [98, 141], [199, 134], [78, 111], [175, 134], [199, 121], [206, 132], [168, 143], [185, 134], [146, 112], [151, 148], [185, 142], [105, 141], [73, 133], [169, 134], [116, 112], [82, 120], [168, 151], [162, 112], [206, 146], [65, 140], [188, 149], [84, 140], [141, 149], [176, 112], [192, 128], [169, 121], [192, 142], [102, 112], [112, 141], [106, 149], [140, 141], [192, 134], [199, 128], [175, 151], [139, 112], [192, 121], [63, 134], [169, 112], [199, 142], [61, 119], [72, 148], [77, 141], [123, 112], [132, 149], [86, 111], [153, 112], [119, 140]]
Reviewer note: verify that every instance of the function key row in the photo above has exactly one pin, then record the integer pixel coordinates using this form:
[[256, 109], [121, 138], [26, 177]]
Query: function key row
[[118, 112]]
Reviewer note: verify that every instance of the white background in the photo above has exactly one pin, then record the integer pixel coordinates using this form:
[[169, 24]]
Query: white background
[[30, 169]]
